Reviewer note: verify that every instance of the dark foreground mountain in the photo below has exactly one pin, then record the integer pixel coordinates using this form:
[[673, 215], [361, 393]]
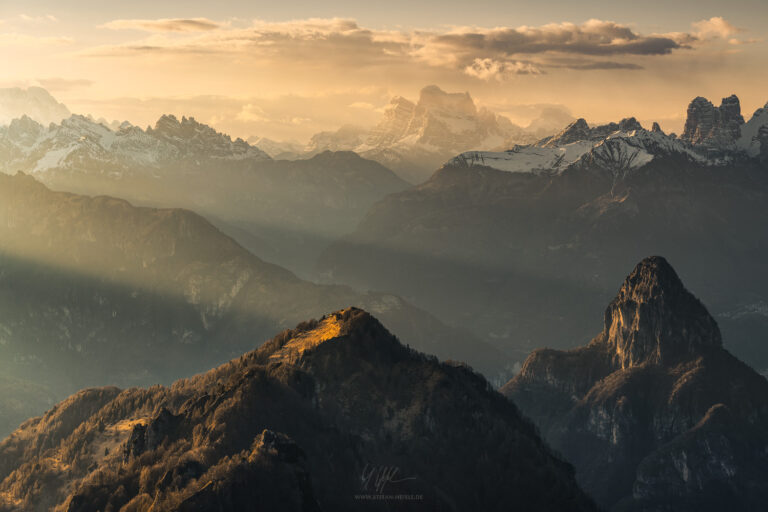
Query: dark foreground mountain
[[283, 211], [333, 415], [654, 414], [534, 239], [95, 291]]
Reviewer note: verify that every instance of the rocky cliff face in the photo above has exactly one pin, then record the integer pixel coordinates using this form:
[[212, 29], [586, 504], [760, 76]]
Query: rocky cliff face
[[654, 413], [414, 138], [333, 415], [655, 320], [717, 127]]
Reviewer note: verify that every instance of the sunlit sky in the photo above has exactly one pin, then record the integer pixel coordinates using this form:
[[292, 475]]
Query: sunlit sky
[[289, 69]]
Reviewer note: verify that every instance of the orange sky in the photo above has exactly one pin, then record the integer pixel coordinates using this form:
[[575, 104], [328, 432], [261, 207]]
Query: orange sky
[[292, 76]]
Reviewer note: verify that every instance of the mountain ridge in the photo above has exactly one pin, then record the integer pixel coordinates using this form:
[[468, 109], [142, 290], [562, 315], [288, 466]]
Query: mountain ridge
[[656, 424], [85, 280], [536, 248], [320, 419], [284, 211], [414, 138], [712, 136]]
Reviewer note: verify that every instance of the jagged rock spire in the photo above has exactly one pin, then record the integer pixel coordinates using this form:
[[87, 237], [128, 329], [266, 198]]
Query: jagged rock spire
[[654, 319], [713, 126]]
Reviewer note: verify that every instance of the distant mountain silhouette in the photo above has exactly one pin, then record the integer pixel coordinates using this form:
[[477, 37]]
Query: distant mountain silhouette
[[96, 291], [415, 138], [34, 102], [283, 211]]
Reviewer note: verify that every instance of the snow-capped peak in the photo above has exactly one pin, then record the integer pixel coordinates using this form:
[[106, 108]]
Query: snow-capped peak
[[79, 142], [714, 136], [618, 151]]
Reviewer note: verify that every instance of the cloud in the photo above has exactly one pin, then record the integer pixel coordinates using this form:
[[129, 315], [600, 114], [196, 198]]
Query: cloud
[[57, 84], [490, 69], [715, 27], [47, 18], [165, 25], [595, 37], [751, 40], [252, 113], [591, 65], [484, 53]]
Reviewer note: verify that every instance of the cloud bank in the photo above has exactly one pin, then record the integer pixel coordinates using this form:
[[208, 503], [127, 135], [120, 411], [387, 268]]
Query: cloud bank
[[498, 53], [165, 25]]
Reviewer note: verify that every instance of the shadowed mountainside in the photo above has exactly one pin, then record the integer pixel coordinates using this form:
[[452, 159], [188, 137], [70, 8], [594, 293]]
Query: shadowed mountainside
[[283, 211], [297, 425], [534, 253], [653, 413], [95, 291]]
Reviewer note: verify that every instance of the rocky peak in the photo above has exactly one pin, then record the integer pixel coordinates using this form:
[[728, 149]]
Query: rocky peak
[[580, 130], [630, 124], [576, 131], [194, 138], [654, 319], [713, 126], [169, 125], [24, 130], [397, 117], [433, 97], [34, 102], [350, 324]]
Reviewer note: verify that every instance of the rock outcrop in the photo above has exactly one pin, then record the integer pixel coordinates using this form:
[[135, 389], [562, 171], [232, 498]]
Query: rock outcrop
[[717, 127], [654, 413], [655, 320]]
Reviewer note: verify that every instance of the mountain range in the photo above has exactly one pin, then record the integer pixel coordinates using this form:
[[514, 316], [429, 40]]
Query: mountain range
[[96, 291], [283, 211], [511, 246], [333, 415], [414, 139], [532, 238], [653, 413]]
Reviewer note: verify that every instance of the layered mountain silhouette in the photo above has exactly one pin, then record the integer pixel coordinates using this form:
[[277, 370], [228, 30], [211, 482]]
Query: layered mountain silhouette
[[654, 413], [96, 291], [534, 238], [415, 138], [283, 211], [333, 415]]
